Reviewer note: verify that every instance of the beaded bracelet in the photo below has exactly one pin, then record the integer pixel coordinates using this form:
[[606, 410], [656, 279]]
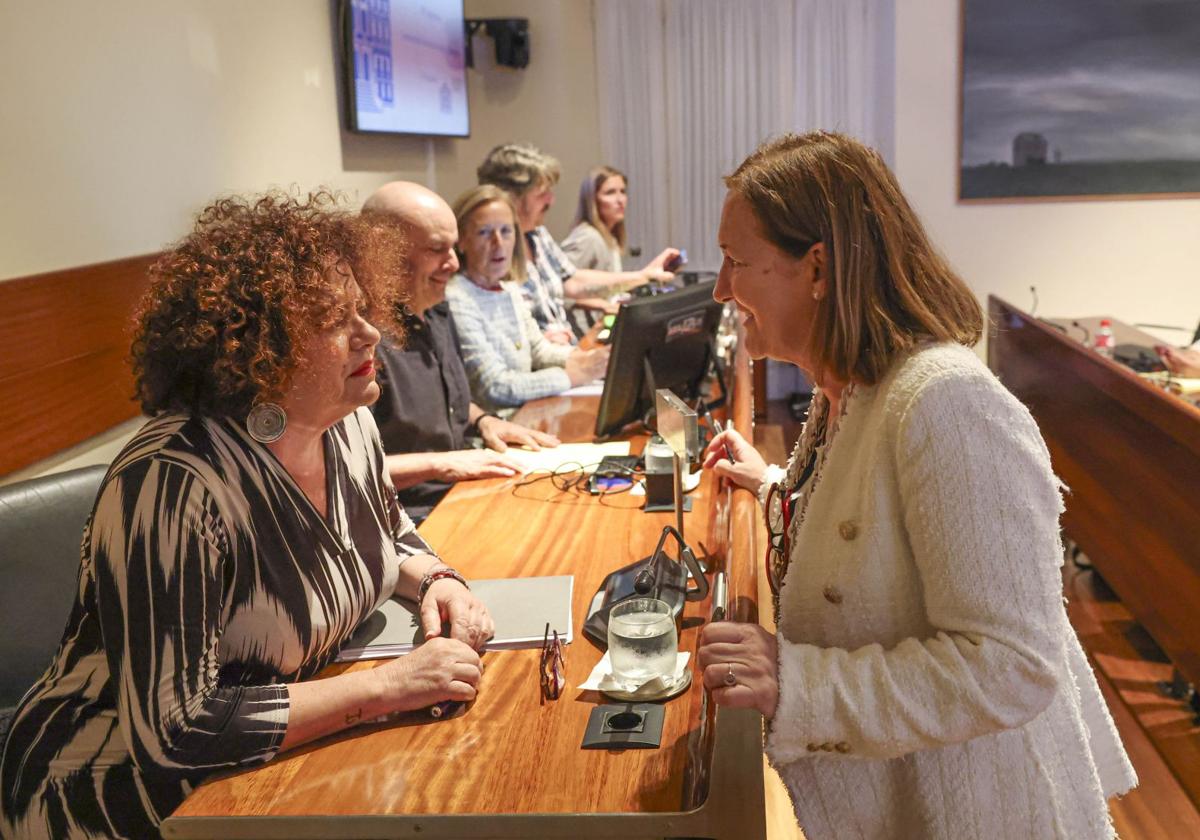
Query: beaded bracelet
[[436, 575]]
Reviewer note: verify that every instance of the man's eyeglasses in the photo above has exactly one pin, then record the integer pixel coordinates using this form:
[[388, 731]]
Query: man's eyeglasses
[[551, 668]]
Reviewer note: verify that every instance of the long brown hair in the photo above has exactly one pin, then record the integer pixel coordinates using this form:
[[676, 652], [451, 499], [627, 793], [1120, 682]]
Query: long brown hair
[[889, 286], [590, 213]]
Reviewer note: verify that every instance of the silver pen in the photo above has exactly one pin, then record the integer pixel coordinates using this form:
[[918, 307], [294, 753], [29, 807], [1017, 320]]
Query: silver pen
[[720, 597], [716, 425]]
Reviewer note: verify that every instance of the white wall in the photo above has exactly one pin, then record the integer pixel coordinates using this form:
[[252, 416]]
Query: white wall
[[121, 119], [1136, 260], [552, 103]]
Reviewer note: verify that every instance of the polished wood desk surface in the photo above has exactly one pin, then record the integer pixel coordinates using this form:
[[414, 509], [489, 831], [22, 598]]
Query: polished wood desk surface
[[510, 754], [1130, 454]]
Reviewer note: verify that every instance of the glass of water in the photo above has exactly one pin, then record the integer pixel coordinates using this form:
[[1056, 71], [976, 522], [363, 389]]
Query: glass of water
[[642, 641]]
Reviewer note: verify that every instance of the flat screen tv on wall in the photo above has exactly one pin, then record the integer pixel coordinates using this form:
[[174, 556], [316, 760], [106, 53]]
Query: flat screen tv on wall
[[405, 67]]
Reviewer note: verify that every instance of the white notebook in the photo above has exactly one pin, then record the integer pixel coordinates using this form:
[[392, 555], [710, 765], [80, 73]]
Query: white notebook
[[520, 607]]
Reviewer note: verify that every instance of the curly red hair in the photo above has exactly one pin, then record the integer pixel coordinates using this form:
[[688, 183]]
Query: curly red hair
[[228, 306]]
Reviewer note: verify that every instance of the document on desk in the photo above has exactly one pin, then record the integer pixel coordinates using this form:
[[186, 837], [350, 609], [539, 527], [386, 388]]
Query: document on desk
[[590, 389], [563, 457], [1187, 386], [520, 607]]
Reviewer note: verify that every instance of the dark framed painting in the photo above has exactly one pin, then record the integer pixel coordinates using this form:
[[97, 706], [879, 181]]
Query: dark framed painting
[[1076, 99]]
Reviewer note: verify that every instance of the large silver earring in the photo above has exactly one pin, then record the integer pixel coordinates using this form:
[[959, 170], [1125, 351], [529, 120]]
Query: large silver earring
[[266, 422]]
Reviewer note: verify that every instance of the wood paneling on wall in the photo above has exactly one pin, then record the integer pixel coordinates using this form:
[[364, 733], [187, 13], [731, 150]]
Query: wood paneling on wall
[[64, 356]]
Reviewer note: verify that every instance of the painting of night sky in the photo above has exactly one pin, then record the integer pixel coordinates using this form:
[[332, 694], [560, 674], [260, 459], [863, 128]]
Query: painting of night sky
[[1080, 98]]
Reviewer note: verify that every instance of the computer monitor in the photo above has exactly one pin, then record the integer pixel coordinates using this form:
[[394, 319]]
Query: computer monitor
[[664, 341]]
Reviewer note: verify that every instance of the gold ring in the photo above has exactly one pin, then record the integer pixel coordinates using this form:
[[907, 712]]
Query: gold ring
[[730, 679]]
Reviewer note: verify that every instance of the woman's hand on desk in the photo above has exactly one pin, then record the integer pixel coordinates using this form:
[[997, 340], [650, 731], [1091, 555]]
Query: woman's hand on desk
[[740, 666], [448, 602], [584, 366], [439, 669], [748, 467], [558, 336]]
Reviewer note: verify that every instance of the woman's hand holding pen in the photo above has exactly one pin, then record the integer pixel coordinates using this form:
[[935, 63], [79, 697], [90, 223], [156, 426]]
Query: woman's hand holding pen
[[748, 467]]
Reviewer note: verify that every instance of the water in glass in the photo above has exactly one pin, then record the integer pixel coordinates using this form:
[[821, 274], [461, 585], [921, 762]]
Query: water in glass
[[642, 641]]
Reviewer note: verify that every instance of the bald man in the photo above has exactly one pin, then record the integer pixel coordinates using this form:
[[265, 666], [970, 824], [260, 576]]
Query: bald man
[[425, 414]]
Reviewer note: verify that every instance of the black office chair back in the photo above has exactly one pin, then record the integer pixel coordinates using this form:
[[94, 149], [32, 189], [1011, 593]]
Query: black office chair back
[[41, 525]]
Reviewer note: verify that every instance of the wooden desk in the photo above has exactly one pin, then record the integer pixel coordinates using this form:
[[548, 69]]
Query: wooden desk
[[1130, 454], [510, 767]]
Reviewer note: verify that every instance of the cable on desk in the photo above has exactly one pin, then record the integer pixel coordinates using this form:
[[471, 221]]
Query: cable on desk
[[573, 477]]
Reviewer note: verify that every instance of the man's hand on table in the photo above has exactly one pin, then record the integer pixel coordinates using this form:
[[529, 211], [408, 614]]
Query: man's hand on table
[[497, 434]]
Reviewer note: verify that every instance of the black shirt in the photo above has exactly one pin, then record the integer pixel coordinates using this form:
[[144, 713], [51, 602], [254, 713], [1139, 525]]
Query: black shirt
[[426, 400]]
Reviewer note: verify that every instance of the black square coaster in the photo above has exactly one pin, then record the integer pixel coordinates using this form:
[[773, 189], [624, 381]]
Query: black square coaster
[[624, 726]]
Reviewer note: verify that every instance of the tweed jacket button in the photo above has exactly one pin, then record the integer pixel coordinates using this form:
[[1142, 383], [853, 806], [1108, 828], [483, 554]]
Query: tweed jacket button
[[842, 747], [827, 747], [848, 530], [832, 595], [813, 747]]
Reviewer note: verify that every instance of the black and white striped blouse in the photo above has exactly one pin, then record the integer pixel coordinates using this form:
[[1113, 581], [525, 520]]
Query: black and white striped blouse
[[208, 581]]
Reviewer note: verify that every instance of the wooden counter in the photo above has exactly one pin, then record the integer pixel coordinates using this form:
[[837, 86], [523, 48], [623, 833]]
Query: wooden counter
[[510, 766], [1130, 454]]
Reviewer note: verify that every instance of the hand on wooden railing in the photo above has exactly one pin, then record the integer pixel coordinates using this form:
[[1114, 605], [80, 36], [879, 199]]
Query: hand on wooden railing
[[740, 667]]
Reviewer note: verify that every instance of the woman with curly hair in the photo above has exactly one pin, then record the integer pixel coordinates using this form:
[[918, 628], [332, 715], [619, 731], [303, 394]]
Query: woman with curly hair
[[240, 537]]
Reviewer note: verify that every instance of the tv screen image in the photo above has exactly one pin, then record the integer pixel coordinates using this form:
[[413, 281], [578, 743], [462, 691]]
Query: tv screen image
[[667, 338], [406, 67]]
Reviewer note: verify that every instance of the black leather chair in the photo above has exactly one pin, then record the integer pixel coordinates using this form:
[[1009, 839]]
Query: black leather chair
[[41, 525]]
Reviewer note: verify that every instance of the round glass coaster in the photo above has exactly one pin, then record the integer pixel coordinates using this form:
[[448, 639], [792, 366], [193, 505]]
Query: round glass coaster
[[639, 696]]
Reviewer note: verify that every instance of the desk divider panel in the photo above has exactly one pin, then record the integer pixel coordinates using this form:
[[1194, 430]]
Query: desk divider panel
[[64, 356]]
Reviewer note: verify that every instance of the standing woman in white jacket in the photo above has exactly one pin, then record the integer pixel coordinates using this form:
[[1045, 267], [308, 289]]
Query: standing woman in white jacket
[[924, 682]]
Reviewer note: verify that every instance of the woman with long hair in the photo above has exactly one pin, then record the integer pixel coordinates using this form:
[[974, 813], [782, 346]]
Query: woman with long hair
[[598, 238], [924, 681]]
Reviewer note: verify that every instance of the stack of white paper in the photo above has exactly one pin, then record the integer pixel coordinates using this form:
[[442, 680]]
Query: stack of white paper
[[566, 456]]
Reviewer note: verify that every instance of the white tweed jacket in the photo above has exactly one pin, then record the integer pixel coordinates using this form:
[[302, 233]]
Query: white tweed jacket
[[930, 684]]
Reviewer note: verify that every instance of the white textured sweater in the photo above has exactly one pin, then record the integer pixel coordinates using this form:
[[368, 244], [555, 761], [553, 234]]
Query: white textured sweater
[[507, 359], [930, 684]]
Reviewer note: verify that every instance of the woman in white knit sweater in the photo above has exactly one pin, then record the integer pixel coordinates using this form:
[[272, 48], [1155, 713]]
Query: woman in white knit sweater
[[924, 682]]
